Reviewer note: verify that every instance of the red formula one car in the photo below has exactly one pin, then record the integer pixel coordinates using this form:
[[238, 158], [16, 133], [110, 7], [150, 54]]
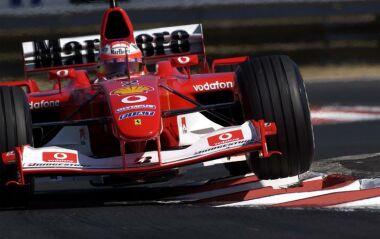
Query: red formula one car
[[154, 105]]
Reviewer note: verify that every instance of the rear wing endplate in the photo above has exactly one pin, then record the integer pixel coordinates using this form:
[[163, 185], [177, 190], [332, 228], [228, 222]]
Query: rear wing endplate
[[82, 52]]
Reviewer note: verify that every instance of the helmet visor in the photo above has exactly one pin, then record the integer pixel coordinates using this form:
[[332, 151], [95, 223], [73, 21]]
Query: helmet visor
[[115, 67]]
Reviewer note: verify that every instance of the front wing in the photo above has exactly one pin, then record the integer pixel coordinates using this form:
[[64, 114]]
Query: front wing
[[224, 142]]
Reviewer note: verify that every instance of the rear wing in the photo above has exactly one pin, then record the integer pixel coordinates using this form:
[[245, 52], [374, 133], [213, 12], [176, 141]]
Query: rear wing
[[82, 52]]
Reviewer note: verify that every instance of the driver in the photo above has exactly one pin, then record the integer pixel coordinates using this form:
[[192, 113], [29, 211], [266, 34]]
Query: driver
[[120, 58]]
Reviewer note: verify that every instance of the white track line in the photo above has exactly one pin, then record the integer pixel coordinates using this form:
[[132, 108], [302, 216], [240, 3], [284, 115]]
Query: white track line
[[364, 203], [275, 184], [337, 114], [282, 198]]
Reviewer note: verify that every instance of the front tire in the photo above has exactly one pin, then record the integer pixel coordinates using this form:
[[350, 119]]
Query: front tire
[[15, 130], [272, 89], [15, 121]]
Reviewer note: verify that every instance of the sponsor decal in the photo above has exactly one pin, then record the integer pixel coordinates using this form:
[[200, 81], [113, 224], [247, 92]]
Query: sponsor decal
[[85, 49], [115, 48], [225, 138], [11, 153], [224, 146], [164, 43], [137, 113], [63, 52], [134, 99], [9, 157], [214, 86], [63, 73], [59, 157], [44, 104], [138, 122], [118, 51], [127, 90], [135, 107], [183, 59], [55, 165]]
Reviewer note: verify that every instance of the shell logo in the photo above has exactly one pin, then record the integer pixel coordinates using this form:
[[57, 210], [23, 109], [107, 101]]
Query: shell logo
[[134, 89]]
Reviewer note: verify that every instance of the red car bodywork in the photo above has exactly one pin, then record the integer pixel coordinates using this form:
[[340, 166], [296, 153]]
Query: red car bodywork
[[132, 115]]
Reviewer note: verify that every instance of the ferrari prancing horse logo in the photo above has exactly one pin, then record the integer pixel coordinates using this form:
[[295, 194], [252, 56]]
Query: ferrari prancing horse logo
[[138, 122]]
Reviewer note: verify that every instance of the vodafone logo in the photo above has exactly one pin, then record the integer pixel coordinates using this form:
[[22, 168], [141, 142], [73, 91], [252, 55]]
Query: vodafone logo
[[44, 104], [134, 99], [225, 138], [183, 59], [59, 157], [213, 86], [62, 73]]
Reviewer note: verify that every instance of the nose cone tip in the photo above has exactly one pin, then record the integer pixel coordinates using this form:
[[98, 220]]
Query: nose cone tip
[[140, 127], [140, 135]]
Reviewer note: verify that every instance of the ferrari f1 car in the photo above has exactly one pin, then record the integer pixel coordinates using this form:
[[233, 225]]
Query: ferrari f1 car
[[172, 110]]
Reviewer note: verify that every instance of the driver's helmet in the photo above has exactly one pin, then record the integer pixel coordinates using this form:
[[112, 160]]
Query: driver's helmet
[[120, 58]]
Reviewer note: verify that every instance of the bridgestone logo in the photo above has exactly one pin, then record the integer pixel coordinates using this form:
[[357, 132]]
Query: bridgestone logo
[[224, 146], [56, 165], [213, 86], [43, 104]]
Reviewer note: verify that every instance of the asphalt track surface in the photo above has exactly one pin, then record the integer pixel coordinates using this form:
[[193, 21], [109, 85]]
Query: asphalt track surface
[[352, 138], [133, 213]]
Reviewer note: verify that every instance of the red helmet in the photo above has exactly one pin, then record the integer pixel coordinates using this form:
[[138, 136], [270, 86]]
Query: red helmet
[[120, 58]]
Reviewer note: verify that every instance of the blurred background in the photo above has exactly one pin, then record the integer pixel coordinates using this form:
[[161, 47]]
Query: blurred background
[[329, 39]]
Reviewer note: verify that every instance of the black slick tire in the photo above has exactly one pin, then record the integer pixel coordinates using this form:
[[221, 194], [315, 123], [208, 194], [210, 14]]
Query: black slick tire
[[272, 89], [15, 130]]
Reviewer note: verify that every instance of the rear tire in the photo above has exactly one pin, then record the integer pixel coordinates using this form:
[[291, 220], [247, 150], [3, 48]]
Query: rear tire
[[272, 89]]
